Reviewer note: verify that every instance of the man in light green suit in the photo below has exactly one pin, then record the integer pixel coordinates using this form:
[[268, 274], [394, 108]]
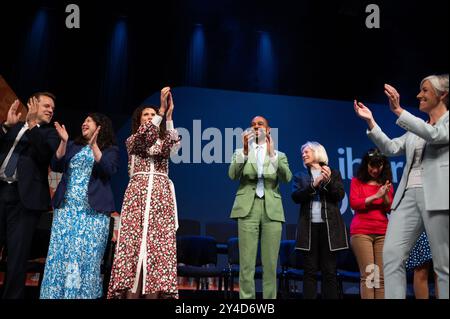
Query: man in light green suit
[[258, 207]]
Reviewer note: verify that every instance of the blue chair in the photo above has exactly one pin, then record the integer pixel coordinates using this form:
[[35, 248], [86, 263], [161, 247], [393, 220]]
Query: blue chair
[[197, 258], [291, 261], [290, 231], [222, 232], [232, 270], [347, 269]]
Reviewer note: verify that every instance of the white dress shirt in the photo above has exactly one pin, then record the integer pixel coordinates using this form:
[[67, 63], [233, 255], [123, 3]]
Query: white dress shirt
[[13, 178]]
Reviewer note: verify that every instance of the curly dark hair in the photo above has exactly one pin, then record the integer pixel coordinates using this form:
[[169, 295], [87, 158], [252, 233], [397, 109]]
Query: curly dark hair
[[375, 158], [136, 119], [106, 136]]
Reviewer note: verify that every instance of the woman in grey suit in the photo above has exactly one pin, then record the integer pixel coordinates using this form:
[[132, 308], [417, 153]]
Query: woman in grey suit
[[421, 201]]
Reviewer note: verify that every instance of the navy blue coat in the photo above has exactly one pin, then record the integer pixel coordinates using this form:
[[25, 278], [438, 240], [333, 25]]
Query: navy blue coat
[[330, 194], [39, 145], [100, 195]]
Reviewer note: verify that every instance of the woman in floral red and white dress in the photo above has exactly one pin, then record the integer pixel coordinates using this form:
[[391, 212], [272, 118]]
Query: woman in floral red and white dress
[[145, 262]]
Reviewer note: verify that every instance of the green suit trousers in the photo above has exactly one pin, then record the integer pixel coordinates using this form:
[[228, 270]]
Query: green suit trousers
[[251, 228]]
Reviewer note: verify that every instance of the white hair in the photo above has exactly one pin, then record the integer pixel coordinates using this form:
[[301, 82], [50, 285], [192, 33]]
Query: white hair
[[439, 84], [320, 154]]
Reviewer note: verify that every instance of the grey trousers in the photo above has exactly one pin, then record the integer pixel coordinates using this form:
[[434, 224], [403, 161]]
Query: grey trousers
[[406, 223]]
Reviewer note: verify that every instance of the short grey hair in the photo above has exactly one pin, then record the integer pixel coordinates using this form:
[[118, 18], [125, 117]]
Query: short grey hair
[[439, 84], [320, 154]]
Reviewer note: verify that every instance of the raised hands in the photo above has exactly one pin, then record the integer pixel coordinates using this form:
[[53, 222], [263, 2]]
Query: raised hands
[[33, 105], [171, 106], [394, 99], [270, 146], [246, 137], [93, 140], [61, 129], [12, 118], [163, 100], [64, 136], [394, 103], [363, 112]]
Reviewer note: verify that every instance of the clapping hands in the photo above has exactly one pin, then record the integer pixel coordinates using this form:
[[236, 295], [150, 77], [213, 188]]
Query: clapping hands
[[62, 132], [12, 118], [384, 189]]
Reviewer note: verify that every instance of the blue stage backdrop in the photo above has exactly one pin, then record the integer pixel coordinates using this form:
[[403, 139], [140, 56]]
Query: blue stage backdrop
[[208, 118]]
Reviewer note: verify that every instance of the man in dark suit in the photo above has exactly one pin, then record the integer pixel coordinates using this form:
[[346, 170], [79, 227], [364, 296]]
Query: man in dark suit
[[26, 149]]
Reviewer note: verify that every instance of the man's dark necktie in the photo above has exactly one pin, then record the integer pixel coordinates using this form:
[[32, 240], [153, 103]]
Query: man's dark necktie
[[12, 163]]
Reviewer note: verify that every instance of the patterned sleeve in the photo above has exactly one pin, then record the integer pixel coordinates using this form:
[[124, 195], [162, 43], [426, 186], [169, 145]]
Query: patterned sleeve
[[171, 143], [140, 142]]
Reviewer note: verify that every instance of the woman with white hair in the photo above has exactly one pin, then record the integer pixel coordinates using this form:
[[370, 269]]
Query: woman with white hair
[[421, 201], [321, 230]]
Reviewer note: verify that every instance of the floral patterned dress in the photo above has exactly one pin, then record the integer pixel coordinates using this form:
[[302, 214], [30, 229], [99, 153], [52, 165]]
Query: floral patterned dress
[[78, 240], [148, 223]]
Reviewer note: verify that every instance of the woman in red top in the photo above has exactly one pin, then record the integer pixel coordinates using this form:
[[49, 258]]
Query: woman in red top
[[371, 195]]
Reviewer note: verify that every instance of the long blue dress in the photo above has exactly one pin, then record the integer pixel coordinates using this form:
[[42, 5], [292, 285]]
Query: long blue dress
[[78, 240]]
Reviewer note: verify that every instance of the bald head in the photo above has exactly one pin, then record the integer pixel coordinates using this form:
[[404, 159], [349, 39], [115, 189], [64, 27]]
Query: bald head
[[260, 121], [260, 125]]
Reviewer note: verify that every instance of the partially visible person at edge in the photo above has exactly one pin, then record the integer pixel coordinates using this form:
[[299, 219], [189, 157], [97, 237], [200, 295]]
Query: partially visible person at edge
[[421, 201], [26, 149]]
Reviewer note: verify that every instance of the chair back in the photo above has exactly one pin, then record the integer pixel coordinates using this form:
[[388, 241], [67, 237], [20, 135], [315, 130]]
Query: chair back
[[290, 231], [233, 252], [189, 227], [221, 231], [346, 260], [289, 256], [196, 250]]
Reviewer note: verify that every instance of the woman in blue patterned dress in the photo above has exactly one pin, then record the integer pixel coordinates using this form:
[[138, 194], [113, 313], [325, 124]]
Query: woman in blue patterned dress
[[83, 202], [419, 261]]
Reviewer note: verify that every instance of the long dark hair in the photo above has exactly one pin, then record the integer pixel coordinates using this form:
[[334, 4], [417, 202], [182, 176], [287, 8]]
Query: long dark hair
[[106, 136], [375, 158], [136, 119]]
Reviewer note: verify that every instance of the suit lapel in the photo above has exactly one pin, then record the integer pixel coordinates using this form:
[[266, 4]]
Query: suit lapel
[[10, 137], [411, 141], [253, 161]]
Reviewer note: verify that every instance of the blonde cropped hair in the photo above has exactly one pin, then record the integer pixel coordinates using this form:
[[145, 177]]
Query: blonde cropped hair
[[320, 154], [439, 84]]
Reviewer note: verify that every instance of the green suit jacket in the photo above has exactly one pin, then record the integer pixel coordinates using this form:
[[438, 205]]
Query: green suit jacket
[[246, 171]]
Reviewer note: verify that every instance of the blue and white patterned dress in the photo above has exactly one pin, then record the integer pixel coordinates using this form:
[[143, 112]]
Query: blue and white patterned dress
[[78, 240], [420, 254]]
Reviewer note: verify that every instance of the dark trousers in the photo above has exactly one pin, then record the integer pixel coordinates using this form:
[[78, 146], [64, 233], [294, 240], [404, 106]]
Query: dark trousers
[[320, 258], [17, 225]]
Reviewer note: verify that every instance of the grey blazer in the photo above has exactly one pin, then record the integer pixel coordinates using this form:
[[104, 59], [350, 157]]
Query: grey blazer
[[434, 161]]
